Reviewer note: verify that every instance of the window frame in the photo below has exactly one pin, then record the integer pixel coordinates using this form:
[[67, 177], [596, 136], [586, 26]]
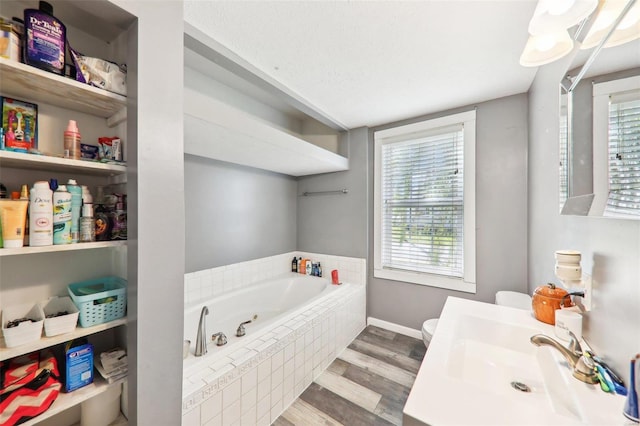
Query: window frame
[[601, 94], [467, 283]]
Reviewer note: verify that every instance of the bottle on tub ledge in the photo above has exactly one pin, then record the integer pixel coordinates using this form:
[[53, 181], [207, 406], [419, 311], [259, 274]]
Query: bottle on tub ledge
[[294, 264]]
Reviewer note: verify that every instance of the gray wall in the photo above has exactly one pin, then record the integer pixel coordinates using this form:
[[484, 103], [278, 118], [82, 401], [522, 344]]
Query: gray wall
[[337, 224], [501, 219], [341, 225], [610, 247], [235, 213]]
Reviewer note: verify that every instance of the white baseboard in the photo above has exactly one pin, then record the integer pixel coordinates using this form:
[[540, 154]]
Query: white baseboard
[[396, 328]]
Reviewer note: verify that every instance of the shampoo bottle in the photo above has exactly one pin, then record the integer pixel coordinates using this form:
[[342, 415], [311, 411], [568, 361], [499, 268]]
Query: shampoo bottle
[[294, 264], [45, 41], [41, 215], [62, 216], [307, 265]]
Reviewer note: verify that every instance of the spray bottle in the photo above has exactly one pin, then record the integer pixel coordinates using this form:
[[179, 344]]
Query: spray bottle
[[41, 215], [62, 216], [76, 205]]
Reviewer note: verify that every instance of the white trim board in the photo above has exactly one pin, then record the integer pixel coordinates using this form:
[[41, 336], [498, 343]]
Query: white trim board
[[396, 328]]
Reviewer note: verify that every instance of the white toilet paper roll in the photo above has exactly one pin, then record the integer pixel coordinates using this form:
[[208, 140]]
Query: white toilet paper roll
[[566, 321]]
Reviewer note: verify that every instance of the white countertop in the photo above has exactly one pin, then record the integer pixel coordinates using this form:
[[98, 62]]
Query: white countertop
[[478, 349]]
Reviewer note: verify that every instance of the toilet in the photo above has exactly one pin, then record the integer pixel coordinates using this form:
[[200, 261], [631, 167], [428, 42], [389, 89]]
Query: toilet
[[514, 299], [428, 328], [511, 299]]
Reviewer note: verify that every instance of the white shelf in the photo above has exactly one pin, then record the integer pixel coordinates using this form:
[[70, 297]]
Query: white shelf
[[214, 129], [45, 342], [43, 162], [32, 84], [57, 248], [68, 400]]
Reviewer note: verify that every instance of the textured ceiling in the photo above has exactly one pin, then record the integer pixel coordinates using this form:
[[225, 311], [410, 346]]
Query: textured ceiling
[[369, 63]]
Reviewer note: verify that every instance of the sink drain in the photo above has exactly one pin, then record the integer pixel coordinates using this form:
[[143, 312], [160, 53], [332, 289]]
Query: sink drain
[[520, 387]]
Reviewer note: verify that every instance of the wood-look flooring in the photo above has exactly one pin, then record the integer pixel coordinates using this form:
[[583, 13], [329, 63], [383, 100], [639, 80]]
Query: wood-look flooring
[[368, 384]]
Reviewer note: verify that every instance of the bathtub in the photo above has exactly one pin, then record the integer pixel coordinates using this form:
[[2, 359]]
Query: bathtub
[[265, 304], [302, 324]]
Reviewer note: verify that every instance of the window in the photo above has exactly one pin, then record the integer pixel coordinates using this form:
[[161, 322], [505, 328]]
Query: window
[[617, 148], [424, 211]]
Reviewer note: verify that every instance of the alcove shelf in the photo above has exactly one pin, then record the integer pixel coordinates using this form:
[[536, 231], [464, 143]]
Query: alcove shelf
[[216, 130]]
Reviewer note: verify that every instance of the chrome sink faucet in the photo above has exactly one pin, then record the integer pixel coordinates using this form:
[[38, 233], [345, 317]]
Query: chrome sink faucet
[[582, 366], [201, 338]]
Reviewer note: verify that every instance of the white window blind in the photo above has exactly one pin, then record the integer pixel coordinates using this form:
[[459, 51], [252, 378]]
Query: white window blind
[[564, 157], [422, 188], [624, 155]]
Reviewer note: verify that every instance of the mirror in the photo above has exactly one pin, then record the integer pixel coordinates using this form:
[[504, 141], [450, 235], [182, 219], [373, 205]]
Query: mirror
[[600, 133]]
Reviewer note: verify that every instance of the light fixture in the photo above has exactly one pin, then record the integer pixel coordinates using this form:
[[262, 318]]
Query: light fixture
[[627, 30], [542, 49], [553, 16]]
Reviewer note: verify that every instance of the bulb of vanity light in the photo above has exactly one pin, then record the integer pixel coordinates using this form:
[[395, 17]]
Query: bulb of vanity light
[[559, 7]]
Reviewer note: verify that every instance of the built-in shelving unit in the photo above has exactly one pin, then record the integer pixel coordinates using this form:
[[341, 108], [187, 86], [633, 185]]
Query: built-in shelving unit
[[45, 342], [32, 274]]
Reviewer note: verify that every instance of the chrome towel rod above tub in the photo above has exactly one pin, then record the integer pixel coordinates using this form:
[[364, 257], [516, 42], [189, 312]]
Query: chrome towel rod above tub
[[337, 191]]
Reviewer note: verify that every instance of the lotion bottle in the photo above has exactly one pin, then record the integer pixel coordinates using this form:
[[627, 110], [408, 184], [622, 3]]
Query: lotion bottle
[[72, 141]]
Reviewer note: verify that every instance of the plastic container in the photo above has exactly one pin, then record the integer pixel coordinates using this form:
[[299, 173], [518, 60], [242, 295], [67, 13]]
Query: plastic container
[[102, 409], [100, 300], [63, 323], [25, 332]]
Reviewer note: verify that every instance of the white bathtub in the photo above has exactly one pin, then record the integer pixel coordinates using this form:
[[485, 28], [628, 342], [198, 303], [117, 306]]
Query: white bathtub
[[271, 302], [303, 324]]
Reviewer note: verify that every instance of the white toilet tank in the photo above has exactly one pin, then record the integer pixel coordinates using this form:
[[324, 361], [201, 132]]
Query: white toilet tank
[[514, 299]]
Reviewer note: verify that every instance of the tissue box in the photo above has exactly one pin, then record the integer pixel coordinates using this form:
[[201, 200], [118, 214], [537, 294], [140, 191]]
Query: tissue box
[[77, 365]]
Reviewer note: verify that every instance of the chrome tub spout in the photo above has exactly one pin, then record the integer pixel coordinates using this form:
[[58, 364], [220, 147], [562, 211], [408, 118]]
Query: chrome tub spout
[[201, 339]]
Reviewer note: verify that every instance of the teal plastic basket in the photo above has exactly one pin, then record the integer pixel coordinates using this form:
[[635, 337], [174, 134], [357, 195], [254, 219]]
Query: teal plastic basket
[[100, 300]]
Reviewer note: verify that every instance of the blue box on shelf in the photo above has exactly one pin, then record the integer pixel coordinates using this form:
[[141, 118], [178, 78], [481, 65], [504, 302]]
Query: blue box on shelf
[[78, 366], [100, 300]]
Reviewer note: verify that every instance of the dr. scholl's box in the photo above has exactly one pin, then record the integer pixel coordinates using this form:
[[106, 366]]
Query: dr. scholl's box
[[78, 366]]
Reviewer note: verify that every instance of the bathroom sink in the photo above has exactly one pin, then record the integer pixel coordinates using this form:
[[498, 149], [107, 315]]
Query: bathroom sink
[[481, 368]]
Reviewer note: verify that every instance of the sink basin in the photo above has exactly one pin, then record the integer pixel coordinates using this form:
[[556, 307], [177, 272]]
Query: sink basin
[[481, 368]]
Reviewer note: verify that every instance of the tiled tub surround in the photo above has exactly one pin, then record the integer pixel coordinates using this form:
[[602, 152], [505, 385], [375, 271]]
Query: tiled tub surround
[[253, 383], [208, 283]]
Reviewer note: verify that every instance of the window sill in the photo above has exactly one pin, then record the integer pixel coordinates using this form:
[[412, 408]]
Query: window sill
[[431, 280]]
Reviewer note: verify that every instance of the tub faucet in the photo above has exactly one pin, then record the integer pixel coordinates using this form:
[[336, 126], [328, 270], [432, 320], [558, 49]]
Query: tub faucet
[[582, 366], [241, 330], [201, 339]]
